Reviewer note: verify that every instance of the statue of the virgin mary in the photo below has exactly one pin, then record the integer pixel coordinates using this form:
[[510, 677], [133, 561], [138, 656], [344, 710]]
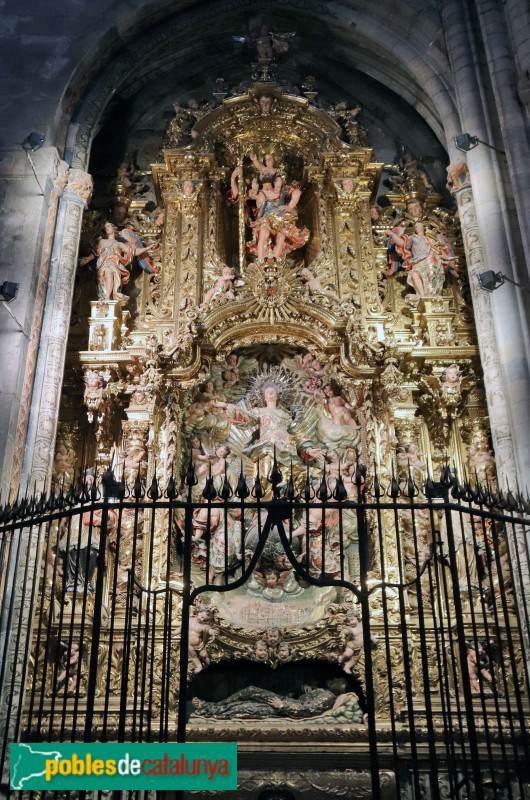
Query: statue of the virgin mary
[[272, 424]]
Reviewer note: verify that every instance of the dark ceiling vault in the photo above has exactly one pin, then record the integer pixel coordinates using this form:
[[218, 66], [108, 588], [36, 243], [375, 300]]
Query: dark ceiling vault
[[347, 47], [180, 57]]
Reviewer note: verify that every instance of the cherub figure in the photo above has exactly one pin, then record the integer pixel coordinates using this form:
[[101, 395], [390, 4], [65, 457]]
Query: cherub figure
[[232, 374], [482, 461], [272, 589], [265, 103], [335, 400], [200, 634], [450, 389], [353, 629], [205, 520], [273, 638], [219, 462], [478, 665], [64, 460], [188, 188], [198, 456], [69, 668], [284, 652], [411, 455], [132, 457], [261, 652], [266, 168], [314, 285], [93, 395], [223, 287], [202, 404], [336, 467]]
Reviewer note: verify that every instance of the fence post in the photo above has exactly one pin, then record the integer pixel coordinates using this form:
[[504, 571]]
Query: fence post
[[364, 560], [96, 623]]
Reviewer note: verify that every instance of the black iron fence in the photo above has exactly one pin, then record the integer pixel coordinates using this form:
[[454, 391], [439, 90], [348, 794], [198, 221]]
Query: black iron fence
[[432, 581]]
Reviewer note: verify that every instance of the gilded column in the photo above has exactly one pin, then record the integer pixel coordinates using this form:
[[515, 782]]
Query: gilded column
[[42, 426], [135, 530], [189, 201]]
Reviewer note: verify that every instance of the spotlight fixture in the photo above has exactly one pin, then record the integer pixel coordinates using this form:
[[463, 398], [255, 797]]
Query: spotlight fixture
[[489, 281], [33, 141], [8, 291], [466, 142]]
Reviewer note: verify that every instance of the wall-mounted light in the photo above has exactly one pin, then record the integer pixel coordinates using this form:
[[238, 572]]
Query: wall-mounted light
[[489, 281], [34, 142], [8, 291], [466, 142]]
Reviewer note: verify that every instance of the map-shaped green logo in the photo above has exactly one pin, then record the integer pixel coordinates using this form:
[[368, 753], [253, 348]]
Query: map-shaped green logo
[[29, 763]]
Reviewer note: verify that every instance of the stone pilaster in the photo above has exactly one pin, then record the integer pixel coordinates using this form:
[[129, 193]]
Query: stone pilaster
[[508, 106], [490, 223], [496, 390], [489, 353], [50, 362], [57, 184]]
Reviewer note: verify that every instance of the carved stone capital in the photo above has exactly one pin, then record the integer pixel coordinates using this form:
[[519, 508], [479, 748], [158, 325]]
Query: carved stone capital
[[458, 176], [79, 187]]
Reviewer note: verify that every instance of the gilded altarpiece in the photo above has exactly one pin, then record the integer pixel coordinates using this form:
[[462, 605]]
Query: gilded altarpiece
[[285, 321]]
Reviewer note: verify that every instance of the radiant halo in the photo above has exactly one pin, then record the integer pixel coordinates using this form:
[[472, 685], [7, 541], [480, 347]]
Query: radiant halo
[[278, 378]]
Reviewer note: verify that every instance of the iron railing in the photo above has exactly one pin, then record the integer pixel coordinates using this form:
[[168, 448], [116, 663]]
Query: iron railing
[[98, 583]]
